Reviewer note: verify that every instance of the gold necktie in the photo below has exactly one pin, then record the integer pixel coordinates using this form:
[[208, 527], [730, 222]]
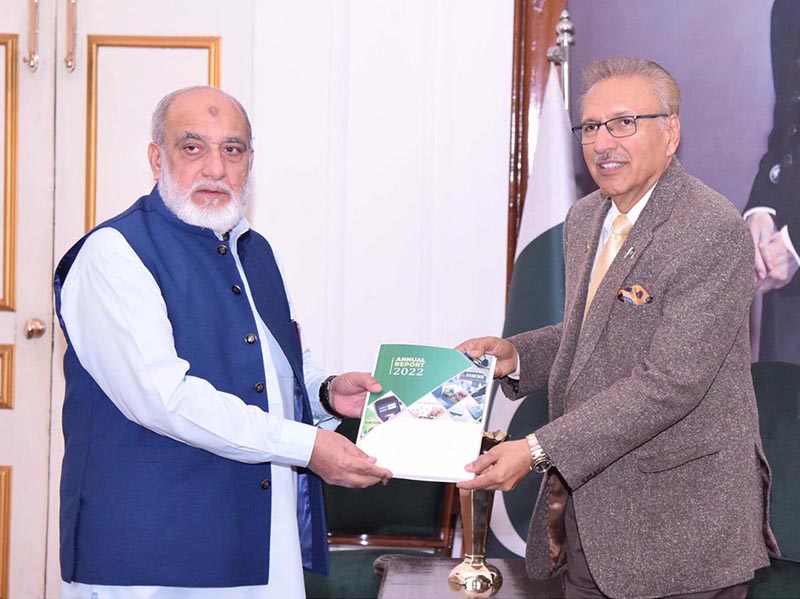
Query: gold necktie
[[619, 232]]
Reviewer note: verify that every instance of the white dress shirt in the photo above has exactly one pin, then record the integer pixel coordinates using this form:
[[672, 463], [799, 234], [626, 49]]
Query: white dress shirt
[[118, 325], [613, 213]]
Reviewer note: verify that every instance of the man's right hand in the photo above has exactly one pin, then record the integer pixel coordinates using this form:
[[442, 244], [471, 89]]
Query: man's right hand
[[780, 262], [762, 226], [339, 462], [503, 350]]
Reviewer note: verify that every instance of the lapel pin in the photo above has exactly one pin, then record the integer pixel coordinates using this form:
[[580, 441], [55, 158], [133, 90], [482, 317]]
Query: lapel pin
[[630, 253], [586, 249]]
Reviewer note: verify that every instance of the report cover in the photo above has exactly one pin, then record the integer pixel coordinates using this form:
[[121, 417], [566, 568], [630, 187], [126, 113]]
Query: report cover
[[428, 421]]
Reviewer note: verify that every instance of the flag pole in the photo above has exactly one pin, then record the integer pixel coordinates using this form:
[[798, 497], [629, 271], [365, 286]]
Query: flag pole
[[542, 192], [559, 54]]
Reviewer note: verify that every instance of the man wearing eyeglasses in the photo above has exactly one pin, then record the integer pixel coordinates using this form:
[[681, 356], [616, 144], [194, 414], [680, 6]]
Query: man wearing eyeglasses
[[655, 482]]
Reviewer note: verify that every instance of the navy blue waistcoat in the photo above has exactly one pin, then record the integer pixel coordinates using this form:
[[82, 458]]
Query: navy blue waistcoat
[[138, 508]]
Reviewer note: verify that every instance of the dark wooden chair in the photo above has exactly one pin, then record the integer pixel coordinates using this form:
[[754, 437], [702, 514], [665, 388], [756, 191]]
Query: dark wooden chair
[[777, 386], [404, 516]]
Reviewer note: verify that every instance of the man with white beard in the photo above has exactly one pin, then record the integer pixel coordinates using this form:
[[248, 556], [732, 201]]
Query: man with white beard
[[194, 421]]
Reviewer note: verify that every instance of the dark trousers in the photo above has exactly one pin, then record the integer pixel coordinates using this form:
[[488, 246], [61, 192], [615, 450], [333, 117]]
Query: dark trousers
[[578, 581]]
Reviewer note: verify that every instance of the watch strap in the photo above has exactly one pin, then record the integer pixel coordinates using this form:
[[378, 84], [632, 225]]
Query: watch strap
[[540, 462], [325, 397]]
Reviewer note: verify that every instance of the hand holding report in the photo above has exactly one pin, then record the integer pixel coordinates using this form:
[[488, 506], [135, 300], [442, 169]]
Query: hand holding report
[[429, 419]]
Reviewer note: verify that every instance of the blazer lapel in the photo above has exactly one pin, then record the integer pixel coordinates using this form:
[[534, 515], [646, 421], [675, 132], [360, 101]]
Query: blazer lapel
[[578, 262], [654, 214], [583, 264]]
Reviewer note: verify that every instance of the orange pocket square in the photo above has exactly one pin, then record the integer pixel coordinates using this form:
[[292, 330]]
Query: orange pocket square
[[636, 295]]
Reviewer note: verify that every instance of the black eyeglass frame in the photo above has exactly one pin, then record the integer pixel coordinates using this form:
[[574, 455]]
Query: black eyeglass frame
[[577, 129]]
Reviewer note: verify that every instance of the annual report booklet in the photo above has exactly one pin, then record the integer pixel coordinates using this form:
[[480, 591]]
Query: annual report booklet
[[428, 421]]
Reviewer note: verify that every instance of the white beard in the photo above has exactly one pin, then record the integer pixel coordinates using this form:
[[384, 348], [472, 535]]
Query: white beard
[[219, 218]]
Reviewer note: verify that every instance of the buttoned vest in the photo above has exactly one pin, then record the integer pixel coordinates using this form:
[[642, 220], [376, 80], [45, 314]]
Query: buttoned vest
[[138, 508]]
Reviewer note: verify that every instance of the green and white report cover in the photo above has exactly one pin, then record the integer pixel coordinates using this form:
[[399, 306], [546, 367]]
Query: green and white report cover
[[428, 421]]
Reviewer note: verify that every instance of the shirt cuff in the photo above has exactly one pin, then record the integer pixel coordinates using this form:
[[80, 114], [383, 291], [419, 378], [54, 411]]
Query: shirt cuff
[[759, 209], [787, 241], [296, 441], [515, 375]]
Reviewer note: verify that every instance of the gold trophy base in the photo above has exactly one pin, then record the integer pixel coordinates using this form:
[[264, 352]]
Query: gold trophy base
[[475, 578]]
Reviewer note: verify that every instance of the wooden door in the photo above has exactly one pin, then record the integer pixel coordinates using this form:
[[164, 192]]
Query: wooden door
[[26, 228], [73, 135]]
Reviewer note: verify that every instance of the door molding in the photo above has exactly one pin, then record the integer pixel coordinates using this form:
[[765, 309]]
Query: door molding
[[5, 520], [6, 376], [11, 94], [95, 42]]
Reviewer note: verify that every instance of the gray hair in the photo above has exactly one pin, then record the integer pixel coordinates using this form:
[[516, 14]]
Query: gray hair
[[663, 83], [158, 120]]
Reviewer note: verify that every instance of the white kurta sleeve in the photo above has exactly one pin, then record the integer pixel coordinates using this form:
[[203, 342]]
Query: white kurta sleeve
[[117, 322]]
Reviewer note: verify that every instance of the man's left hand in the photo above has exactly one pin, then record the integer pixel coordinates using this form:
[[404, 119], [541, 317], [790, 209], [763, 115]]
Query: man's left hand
[[502, 467], [348, 392]]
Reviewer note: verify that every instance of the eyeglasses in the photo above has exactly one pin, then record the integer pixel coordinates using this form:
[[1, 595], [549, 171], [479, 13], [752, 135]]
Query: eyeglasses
[[621, 126]]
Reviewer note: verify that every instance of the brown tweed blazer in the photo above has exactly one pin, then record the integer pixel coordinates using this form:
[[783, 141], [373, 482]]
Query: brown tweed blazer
[[653, 422]]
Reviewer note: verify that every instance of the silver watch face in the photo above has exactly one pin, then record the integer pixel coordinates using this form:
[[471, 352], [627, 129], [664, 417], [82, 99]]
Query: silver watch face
[[542, 467]]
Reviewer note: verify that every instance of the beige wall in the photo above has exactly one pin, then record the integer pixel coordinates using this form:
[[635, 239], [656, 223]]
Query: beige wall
[[382, 140]]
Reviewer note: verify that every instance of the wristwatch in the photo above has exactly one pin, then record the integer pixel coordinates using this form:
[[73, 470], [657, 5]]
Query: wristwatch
[[325, 398], [540, 463]]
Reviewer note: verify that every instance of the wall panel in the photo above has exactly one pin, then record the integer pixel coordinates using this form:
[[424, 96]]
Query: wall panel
[[384, 189]]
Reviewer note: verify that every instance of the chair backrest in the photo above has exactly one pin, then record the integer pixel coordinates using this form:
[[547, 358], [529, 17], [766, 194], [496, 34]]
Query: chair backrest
[[777, 386], [403, 513]]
